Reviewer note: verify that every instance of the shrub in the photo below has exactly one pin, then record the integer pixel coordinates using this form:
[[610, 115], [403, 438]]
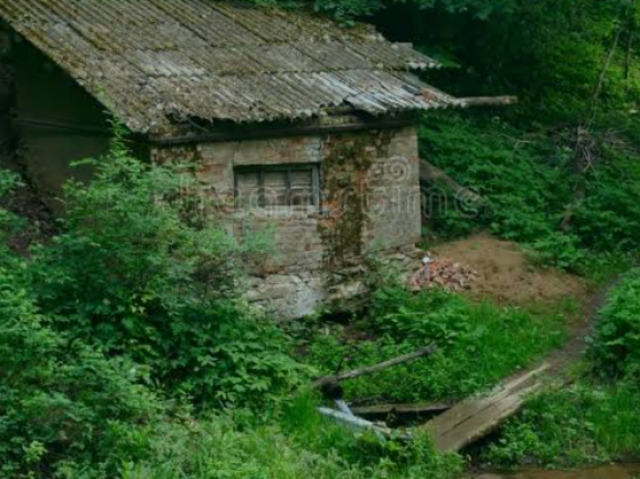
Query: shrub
[[9, 222], [136, 272], [59, 399], [522, 179], [436, 316], [616, 345], [609, 217], [562, 250], [298, 449]]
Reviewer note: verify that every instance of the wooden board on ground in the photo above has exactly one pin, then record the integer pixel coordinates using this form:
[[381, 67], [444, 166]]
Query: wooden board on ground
[[413, 408], [475, 417]]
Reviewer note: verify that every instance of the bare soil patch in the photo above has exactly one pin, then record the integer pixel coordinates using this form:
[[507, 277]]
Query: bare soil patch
[[506, 274]]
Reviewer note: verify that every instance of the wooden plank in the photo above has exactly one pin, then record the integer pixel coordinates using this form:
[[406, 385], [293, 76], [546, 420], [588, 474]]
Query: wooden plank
[[482, 424], [417, 408], [475, 417], [474, 405]]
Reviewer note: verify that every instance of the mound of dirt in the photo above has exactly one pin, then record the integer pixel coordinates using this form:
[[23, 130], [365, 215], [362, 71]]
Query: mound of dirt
[[506, 275]]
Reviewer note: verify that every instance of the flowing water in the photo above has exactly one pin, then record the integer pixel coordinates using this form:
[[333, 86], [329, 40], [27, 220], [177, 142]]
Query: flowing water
[[630, 471]]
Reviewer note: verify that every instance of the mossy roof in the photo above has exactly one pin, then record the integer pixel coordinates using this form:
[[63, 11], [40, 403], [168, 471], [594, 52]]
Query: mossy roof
[[157, 63]]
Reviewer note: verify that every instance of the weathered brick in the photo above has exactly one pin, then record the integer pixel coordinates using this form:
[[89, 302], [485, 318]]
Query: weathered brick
[[370, 193]]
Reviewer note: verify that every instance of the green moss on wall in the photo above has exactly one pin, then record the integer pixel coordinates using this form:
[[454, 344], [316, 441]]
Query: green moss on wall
[[347, 160]]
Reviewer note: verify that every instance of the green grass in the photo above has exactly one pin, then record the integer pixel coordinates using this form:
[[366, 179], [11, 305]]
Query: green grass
[[598, 419], [302, 446], [588, 424], [479, 344]]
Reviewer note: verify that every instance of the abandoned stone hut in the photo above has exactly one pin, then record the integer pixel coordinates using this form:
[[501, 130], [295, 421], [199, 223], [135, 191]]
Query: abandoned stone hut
[[292, 124]]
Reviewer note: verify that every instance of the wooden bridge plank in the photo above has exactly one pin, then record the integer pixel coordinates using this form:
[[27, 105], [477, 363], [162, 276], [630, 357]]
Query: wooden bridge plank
[[475, 417]]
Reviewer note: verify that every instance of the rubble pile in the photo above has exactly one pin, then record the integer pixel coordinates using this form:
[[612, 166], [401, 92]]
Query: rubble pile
[[443, 273]]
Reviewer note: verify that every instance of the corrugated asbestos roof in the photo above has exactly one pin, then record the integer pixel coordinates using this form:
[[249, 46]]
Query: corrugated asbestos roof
[[158, 62]]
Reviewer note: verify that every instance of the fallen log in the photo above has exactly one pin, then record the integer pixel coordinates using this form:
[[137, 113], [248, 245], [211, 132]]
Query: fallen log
[[418, 408], [333, 380], [433, 175]]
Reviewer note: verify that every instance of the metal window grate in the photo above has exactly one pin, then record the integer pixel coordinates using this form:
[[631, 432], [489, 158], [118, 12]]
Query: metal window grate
[[282, 185]]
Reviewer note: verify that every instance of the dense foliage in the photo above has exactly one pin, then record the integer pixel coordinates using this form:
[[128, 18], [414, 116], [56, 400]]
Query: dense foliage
[[130, 303], [132, 274], [109, 329], [529, 189], [302, 445], [59, 399], [616, 347]]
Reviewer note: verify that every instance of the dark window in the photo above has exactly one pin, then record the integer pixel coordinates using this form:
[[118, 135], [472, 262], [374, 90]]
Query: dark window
[[268, 186]]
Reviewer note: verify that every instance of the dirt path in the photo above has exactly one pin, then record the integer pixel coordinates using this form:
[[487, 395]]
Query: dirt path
[[507, 276], [475, 417]]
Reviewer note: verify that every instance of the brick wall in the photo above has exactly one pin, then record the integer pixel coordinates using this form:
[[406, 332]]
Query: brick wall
[[369, 205]]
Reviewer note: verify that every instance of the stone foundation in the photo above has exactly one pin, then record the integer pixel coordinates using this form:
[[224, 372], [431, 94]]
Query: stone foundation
[[369, 207]]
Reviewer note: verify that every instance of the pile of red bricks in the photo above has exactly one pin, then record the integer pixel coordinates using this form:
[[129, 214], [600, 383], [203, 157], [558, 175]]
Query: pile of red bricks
[[443, 273]]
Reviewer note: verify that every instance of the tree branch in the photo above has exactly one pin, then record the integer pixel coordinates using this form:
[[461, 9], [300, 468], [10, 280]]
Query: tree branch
[[356, 373], [434, 175]]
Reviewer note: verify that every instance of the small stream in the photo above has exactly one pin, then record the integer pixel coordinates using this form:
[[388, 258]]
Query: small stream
[[621, 471]]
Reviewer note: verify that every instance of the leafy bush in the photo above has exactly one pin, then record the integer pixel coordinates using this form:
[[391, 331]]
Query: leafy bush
[[9, 222], [522, 179], [304, 446], [59, 399], [134, 272], [609, 217], [436, 316], [616, 345], [562, 250]]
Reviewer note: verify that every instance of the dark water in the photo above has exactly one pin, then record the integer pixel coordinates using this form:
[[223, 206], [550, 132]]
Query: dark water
[[631, 471]]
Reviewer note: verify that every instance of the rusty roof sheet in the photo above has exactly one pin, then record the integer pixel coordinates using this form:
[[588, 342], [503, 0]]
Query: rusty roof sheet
[[156, 63]]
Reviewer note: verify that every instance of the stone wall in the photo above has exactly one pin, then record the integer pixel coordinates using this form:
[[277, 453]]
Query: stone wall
[[369, 205]]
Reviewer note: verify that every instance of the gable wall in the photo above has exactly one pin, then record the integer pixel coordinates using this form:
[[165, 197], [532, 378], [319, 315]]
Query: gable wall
[[46, 95], [369, 205]]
